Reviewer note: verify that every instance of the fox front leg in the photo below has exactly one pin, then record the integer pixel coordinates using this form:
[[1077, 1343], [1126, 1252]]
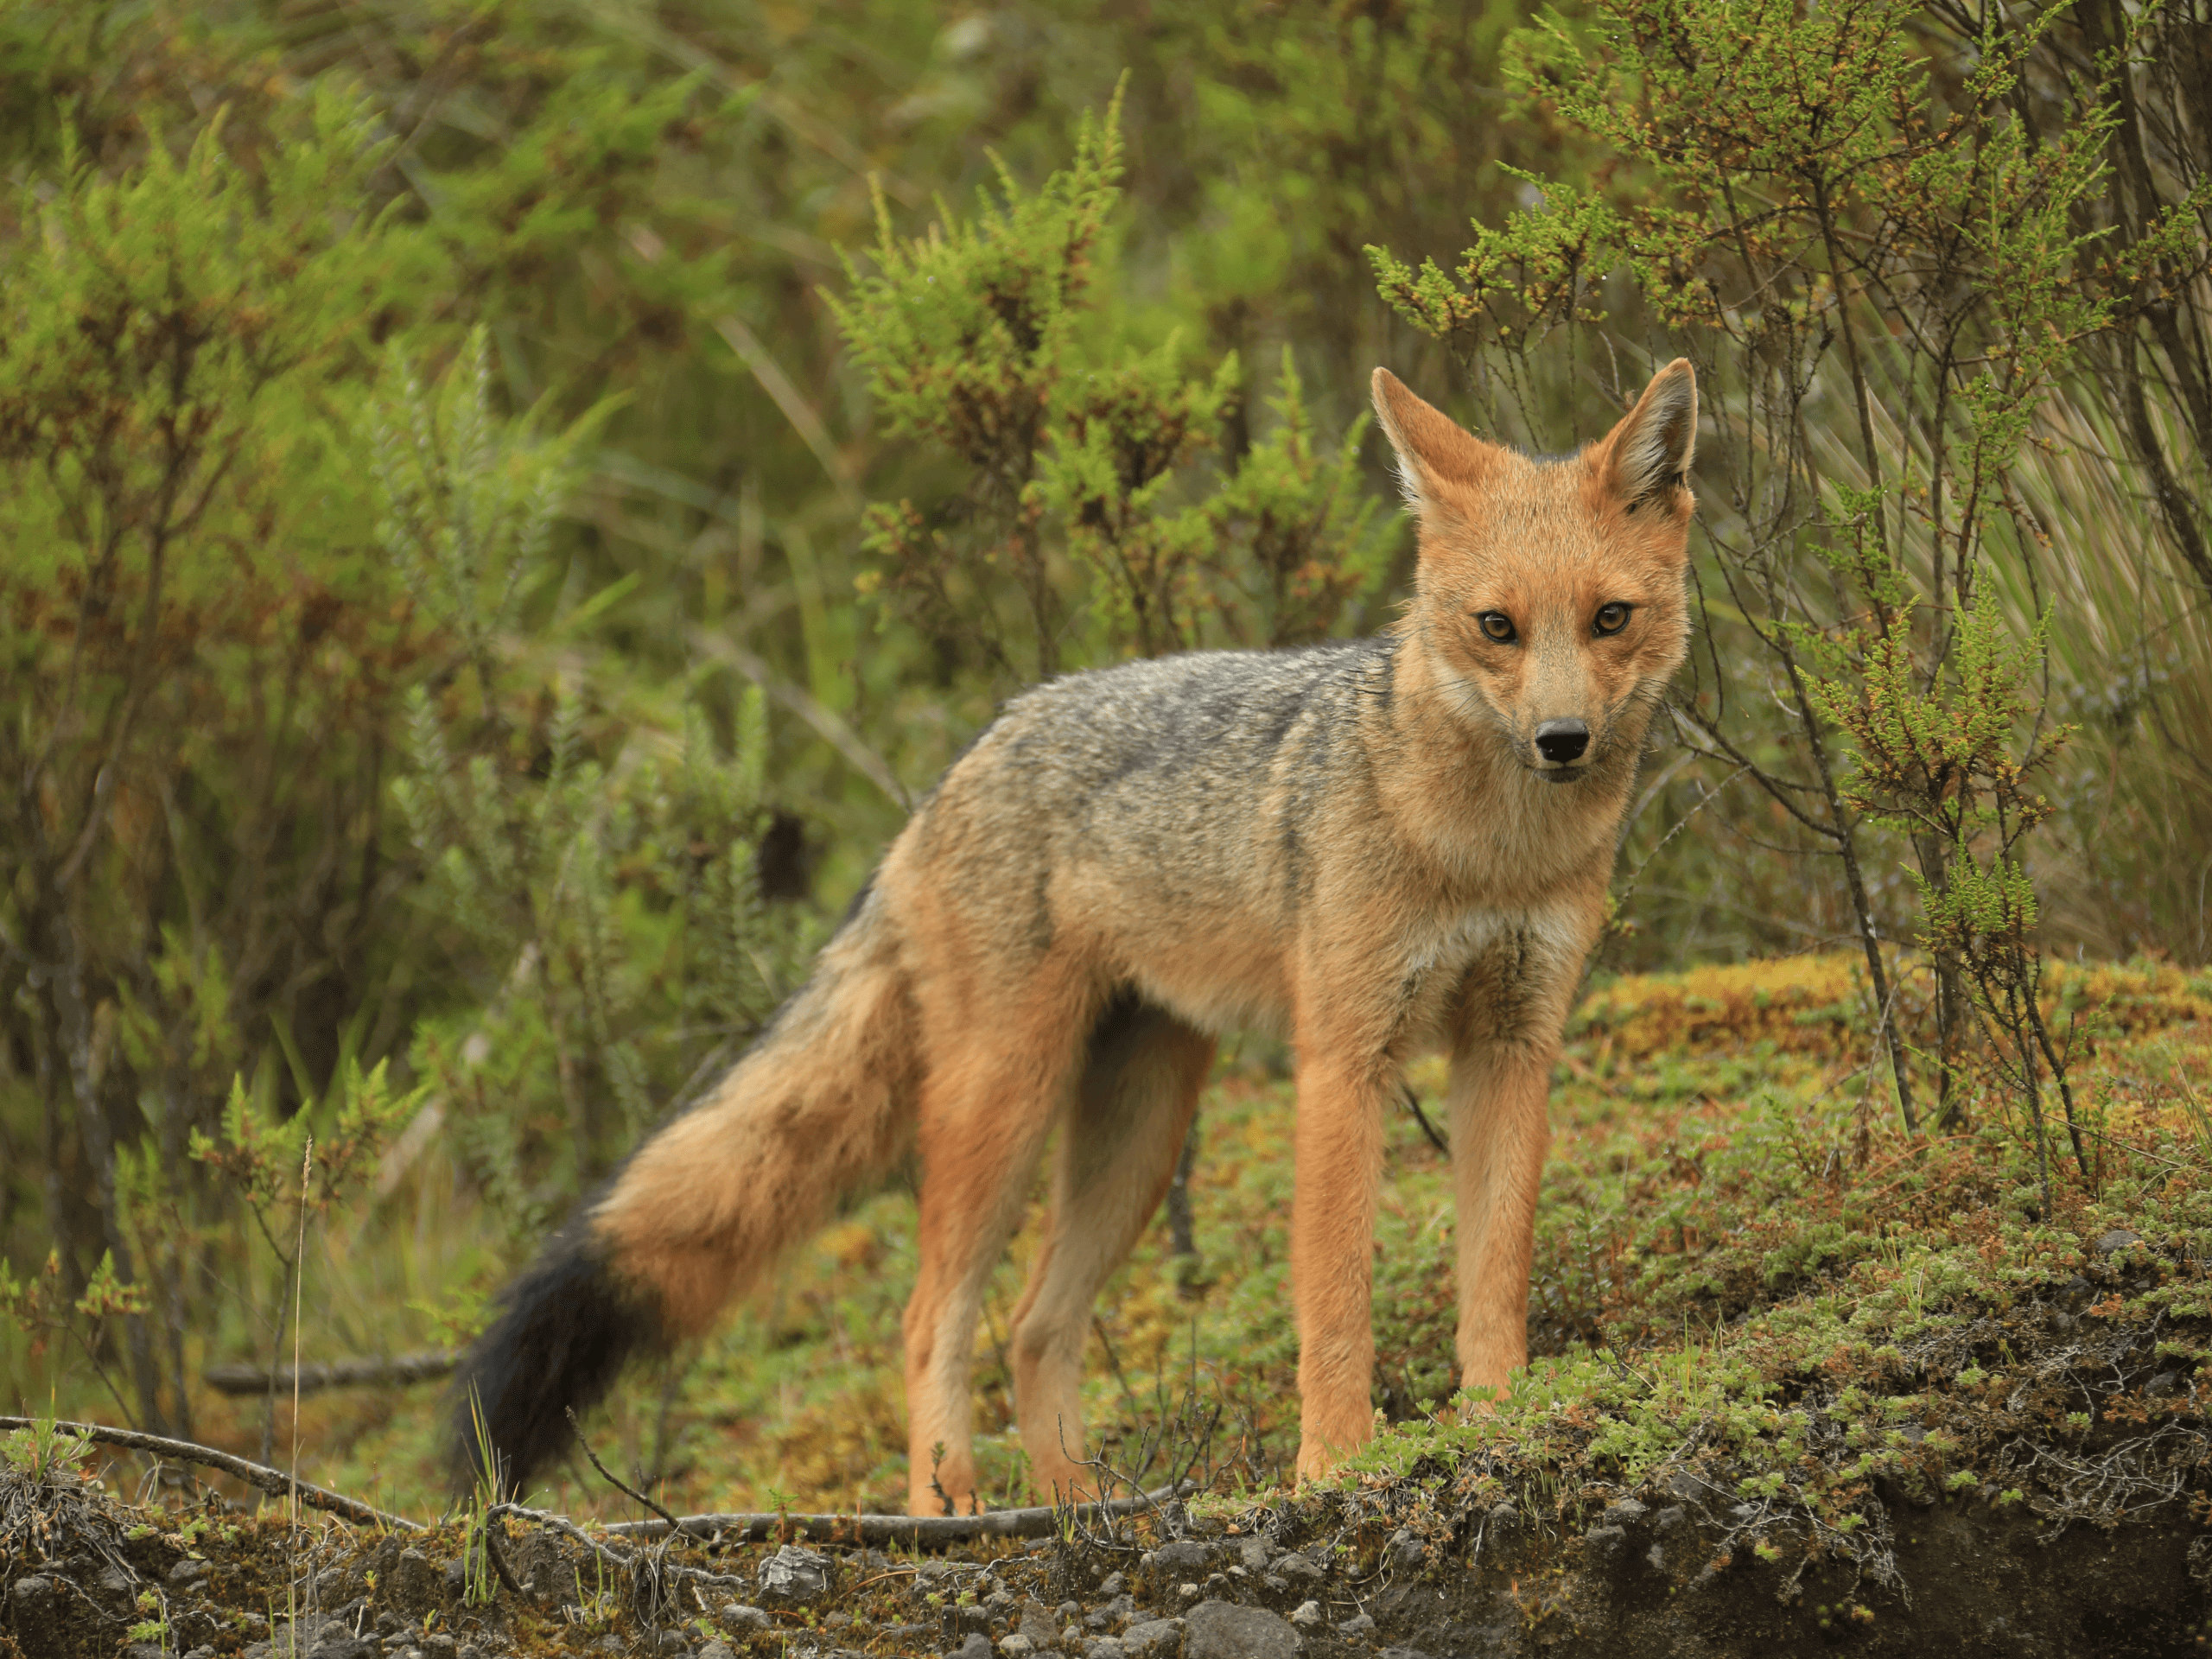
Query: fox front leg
[[1512, 1010], [1338, 1151]]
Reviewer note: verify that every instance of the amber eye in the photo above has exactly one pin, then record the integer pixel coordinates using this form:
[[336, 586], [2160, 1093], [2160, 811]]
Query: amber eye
[[1496, 625], [1611, 618]]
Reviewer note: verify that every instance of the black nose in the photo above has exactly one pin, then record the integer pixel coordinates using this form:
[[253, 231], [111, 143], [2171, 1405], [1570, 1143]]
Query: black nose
[[1561, 741]]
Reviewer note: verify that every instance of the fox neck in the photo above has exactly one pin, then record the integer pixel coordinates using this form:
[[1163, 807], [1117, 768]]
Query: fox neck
[[1453, 783]]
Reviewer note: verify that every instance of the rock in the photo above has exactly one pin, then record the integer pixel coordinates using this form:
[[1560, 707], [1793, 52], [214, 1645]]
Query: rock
[[1104, 1647], [1405, 1653], [1656, 1558], [1357, 1627], [1036, 1624], [1112, 1586], [1222, 1630], [1186, 1558], [744, 1619], [1255, 1552], [1156, 1638], [2115, 1240], [717, 1650], [1671, 1517], [1307, 1616], [413, 1584], [1623, 1513], [2163, 1383], [37, 1611], [670, 1644], [1405, 1551], [1606, 1542], [977, 1646], [795, 1576], [456, 1579], [1016, 1646], [187, 1572], [1503, 1518], [1297, 1571]]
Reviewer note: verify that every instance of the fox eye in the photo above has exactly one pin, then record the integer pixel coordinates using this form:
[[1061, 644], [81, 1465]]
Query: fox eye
[[1611, 618], [1497, 625]]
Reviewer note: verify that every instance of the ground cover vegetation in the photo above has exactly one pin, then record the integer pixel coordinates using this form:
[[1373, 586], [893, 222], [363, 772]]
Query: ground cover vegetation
[[508, 506]]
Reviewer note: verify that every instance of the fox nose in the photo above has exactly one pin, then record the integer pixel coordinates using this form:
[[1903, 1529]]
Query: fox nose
[[1561, 741]]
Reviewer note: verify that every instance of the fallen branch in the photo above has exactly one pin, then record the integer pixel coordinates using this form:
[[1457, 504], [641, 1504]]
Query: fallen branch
[[275, 1481], [339, 1374], [912, 1530]]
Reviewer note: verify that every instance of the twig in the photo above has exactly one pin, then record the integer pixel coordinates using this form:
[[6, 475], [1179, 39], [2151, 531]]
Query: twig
[[1412, 1105], [337, 1373], [259, 1476], [884, 1530], [621, 1486]]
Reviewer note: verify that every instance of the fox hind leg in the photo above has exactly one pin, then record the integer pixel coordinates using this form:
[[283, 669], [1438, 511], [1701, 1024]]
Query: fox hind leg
[[1132, 1108], [985, 1114]]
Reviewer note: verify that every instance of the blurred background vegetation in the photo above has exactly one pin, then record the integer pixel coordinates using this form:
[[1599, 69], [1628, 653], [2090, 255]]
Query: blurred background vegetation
[[493, 548]]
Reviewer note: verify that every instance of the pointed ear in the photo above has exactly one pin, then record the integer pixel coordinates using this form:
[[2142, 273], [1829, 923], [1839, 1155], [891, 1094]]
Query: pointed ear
[[1647, 455], [1436, 455]]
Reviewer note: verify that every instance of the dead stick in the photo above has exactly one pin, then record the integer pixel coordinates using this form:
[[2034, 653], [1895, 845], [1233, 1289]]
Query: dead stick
[[1041, 1522], [275, 1481], [339, 1374]]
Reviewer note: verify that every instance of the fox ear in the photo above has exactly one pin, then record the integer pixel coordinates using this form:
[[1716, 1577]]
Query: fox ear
[[1648, 454], [1436, 455]]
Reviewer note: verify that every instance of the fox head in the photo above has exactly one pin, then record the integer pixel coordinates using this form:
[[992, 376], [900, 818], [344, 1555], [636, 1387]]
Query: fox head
[[1549, 596]]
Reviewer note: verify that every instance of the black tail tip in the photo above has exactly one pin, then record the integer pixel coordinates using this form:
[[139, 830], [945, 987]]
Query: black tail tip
[[566, 1328]]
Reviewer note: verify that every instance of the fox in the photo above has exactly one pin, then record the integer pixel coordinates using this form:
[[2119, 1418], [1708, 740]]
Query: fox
[[1370, 848]]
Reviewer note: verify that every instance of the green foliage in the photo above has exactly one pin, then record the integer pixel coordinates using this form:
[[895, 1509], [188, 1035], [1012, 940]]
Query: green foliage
[[1922, 262], [616, 904], [1087, 529]]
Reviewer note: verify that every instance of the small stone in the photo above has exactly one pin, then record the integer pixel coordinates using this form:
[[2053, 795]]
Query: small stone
[[456, 1577], [201, 1653], [2117, 1239], [1503, 1518], [1624, 1513], [717, 1650], [977, 1646], [1406, 1551], [440, 1645], [1016, 1646], [795, 1575], [744, 1617], [1605, 1541], [1405, 1653], [1307, 1616], [1254, 1552], [2163, 1383], [188, 1571], [1155, 1638], [1104, 1647], [1297, 1570], [670, 1644], [1223, 1629], [1112, 1586], [1187, 1592], [1656, 1558], [1036, 1623], [1186, 1558], [1671, 1517]]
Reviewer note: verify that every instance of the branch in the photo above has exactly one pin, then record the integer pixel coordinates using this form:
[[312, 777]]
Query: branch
[[911, 1530], [339, 1374], [275, 1481]]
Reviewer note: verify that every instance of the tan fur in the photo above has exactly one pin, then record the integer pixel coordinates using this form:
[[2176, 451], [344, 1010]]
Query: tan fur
[[1359, 848]]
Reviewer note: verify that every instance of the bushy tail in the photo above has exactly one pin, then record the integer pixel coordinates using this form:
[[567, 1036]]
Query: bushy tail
[[820, 1106]]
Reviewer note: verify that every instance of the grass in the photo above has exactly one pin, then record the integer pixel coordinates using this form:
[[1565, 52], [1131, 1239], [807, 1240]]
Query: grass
[[1742, 1271]]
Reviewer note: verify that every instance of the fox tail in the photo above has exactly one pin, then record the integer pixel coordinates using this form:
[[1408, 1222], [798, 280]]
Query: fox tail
[[819, 1107]]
